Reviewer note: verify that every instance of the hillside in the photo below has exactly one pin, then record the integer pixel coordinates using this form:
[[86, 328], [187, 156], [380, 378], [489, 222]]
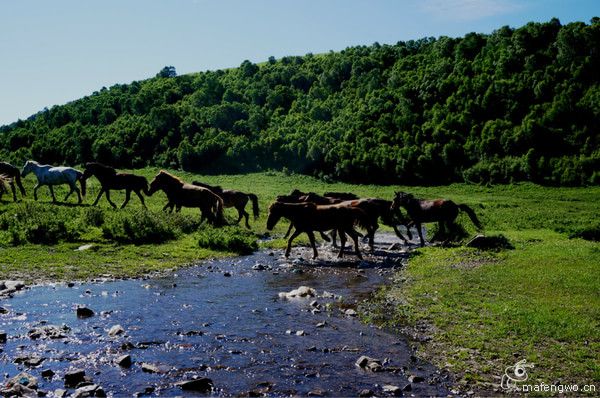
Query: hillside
[[514, 105]]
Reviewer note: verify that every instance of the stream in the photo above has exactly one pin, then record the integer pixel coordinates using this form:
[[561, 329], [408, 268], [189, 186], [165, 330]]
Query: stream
[[224, 320]]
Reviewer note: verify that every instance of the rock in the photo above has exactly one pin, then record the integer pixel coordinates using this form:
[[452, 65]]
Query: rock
[[70, 284], [47, 373], [316, 393], [259, 267], [302, 291], [24, 379], [3, 310], [60, 393], [350, 312], [321, 324], [203, 385], [84, 312], [14, 285], [116, 330], [73, 377], [124, 361], [407, 387], [366, 393], [92, 390], [368, 363], [495, 242], [48, 332], [3, 337], [300, 333], [18, 390], [392, 390], [227, 274], [415, 379], [149, 368], [29, 361]]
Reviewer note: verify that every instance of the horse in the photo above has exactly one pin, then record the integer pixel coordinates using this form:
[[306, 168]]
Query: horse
[[181, 195], [297, 196], [50, 175], [234, 198], [110, 179], [442, 211], [308, 217], [379, 209], [341, 195], [13, 173]]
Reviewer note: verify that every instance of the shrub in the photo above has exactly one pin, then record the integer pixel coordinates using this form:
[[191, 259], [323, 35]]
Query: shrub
[[588, 233], [139, 227], [232, 238]]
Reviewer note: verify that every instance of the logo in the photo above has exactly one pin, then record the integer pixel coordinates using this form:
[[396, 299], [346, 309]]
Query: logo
[[515, 374]]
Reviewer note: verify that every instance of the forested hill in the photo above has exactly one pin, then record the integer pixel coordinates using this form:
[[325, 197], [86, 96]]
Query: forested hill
[[517, 104]]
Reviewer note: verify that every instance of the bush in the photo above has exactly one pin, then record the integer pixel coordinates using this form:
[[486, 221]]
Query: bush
[[588, 233], [139, 227], [232, 238], [39, 223]]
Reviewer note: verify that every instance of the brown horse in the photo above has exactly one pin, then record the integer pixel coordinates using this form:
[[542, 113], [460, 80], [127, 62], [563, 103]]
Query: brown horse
[[442, 211], [181, 195], [341, 195], [308, 217], [13, 173], [234, 198], [297, 196], [110, 179]]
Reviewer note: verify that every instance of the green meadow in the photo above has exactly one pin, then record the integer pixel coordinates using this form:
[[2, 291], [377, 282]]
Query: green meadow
[[472, 312]]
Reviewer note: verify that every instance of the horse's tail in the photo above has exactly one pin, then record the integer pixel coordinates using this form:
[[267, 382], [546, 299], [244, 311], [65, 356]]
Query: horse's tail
[[17, 178], [219, 217], [82, 183], [471, 215], [254, 200]]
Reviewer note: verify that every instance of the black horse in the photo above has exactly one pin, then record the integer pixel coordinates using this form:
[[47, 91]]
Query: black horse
[[12, 173], [442, 211], [110, 179]]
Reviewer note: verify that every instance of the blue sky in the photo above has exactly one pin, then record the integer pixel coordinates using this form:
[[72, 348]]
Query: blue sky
[[57, 51]]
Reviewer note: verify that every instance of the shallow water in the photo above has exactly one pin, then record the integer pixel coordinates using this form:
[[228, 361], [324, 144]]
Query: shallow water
[[232, 329]]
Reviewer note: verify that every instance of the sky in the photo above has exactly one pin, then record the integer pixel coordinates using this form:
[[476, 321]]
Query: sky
[[53, 52]]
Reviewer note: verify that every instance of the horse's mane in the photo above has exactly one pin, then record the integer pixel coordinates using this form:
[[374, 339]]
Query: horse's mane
[[214, 188], [101, 166], [171, 177]]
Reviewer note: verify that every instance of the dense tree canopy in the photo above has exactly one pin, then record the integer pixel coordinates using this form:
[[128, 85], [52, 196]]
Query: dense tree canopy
[[517, 104]]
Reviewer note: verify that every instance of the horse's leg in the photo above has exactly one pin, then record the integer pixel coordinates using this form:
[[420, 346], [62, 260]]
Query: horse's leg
[[240, 214], [98, 197], [127, 197], [342, 243], [139, 194], [333, 238], [289, 244], [14, 191], [169, 205], [35, 190], [288, 231], [371, 232], [246, 215], [114, 206], [52, 193], [419, 230], [311, 238], [399, 234], [354, 235]]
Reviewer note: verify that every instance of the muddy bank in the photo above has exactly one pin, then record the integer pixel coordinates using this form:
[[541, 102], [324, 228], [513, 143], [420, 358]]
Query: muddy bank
[[224, 320]]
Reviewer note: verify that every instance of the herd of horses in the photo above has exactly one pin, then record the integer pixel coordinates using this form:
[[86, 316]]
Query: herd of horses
[[336, 212]]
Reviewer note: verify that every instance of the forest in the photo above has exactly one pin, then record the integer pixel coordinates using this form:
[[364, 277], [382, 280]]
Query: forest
[[519, 104]]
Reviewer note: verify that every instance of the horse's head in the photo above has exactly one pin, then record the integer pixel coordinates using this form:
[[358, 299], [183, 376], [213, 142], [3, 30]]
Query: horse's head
[[97, 169], [297, 192], [29, 166], [274, 215], [401, 199], [164, 181]]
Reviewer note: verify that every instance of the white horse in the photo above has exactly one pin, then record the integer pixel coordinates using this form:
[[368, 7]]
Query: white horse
[[50, 175]]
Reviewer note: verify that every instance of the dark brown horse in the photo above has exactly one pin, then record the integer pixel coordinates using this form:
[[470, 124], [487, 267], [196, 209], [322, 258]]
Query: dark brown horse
[[377, 209], [110, 179], [181, 195], [297, 196], [442, 211], [234, 198], [13, 173], [308, 217], [341, 195]]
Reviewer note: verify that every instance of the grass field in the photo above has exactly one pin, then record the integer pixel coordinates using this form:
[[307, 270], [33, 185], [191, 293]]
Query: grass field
[[478, 312]]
